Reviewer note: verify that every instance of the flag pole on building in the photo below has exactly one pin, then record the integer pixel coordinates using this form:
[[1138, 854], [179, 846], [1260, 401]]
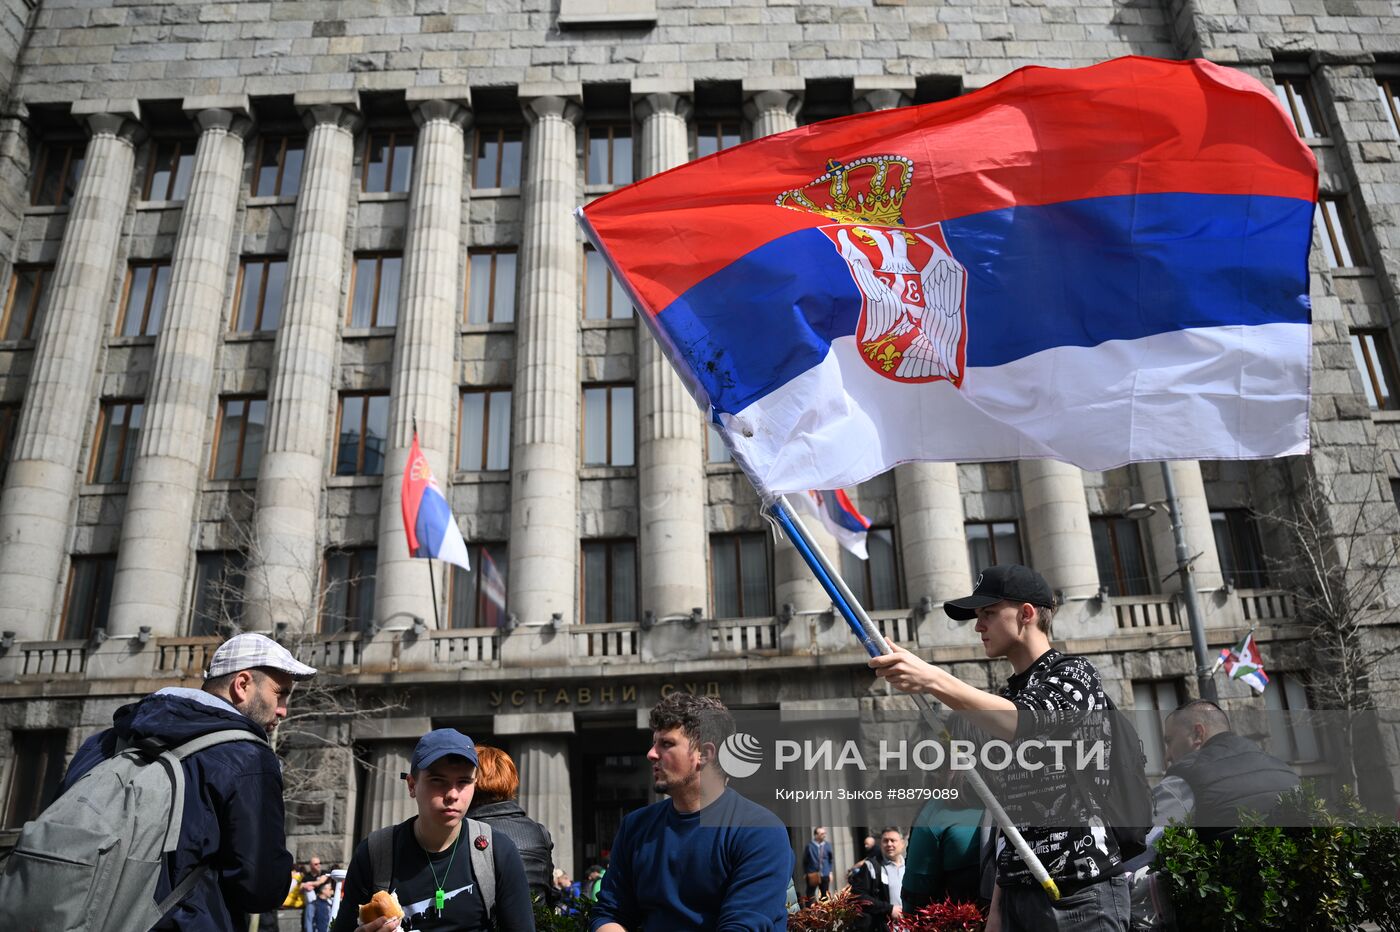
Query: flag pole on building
[[428, 523]]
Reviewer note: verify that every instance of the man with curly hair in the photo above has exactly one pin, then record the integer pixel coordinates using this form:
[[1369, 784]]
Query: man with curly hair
[[706, 859]]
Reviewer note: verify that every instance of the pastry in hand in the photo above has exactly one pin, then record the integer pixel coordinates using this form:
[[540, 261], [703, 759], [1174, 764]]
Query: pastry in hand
[[381, 904]]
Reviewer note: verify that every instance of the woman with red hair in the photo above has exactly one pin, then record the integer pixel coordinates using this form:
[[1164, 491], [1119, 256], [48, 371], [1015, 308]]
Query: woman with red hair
[[497, 785]]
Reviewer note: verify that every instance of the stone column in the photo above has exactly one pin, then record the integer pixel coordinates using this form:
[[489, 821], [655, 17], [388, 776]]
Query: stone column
[[772, 109], [1195, 519], [670, 443], [156, 549], [544, 539], [44, 466], [284, 567], [546, 790], [1057, 526], [424, 344], [386, 800]]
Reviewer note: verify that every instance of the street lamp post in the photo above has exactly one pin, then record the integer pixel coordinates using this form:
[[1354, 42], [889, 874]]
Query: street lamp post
[[1205, 682]]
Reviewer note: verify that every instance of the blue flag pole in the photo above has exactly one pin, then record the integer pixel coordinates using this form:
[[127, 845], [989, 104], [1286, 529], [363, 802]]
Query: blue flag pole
[[868, 633]]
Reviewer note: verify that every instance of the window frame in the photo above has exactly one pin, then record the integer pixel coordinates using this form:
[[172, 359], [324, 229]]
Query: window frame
[[713, 128], [37, 299], [738, 538], [261, 308], [364, 416], [9, 427], [1298, 97], [849, 561], [494, 252], [501, 558], [42, 763], [614, 289], [487, 391], [1340, 232], [609, 387], [122, 469], [1373, 345], [991, 524], [357, 556], [1121, 585], [283, 139], [499, 130], [233, 564], [1388, 85], [378, 258], [590, 131], [63, 198], [395, 133], [609, 545], [224, 402], [1153, 742], [105, 564], [173, 185], [714, 443], [1241, 531], [155, 265]]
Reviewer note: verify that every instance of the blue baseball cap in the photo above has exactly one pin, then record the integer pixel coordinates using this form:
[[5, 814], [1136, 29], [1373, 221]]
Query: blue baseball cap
[[439, 743]]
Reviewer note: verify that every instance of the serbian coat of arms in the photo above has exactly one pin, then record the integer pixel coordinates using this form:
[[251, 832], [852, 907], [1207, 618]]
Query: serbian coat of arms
[[913, 316]]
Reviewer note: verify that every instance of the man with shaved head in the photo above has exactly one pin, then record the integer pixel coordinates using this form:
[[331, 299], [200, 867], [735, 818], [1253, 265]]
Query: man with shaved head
[[1217, 773]]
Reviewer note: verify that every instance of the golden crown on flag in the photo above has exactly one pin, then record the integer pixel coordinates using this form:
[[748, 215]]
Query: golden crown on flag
[[862, 190]]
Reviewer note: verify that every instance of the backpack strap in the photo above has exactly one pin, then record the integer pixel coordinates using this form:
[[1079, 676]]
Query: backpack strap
[[381, 856], [483, 863]]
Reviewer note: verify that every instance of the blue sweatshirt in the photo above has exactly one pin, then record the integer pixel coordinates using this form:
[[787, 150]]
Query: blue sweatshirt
[[725, 868]]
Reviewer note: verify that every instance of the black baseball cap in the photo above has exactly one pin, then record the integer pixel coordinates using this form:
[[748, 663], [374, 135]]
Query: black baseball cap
[[1012, 582]]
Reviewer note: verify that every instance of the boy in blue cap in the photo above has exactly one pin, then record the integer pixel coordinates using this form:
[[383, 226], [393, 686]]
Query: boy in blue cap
[[449, 873]]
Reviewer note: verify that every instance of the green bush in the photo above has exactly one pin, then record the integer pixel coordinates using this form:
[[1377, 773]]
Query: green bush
[[1336, 870]]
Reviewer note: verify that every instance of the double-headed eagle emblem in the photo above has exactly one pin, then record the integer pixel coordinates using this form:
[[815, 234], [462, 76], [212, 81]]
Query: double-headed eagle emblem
[[913, 315]]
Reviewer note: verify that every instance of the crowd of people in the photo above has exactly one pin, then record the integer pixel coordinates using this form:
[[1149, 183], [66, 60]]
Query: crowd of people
[[702, 858]]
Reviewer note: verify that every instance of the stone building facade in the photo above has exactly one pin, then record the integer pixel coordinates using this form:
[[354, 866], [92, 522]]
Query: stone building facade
[[248, 248]]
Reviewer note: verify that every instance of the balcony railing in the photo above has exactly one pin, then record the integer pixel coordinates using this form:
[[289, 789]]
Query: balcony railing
[[744, 636], [1146, 611], [53, 658], [466, 647], [611, 642], [1267, 604]]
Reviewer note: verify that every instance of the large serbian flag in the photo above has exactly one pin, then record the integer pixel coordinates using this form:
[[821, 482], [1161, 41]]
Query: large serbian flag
[[1099, 265], [427, 520]]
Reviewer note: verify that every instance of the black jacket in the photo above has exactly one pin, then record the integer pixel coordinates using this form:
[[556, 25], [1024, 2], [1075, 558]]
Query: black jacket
[[1229, 773], [531, 839], [233, 809]]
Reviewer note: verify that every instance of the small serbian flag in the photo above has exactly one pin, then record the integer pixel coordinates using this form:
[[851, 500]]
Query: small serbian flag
[[1099, 265], [427, 519], [493, 591], [1243, 662], [838, 515]]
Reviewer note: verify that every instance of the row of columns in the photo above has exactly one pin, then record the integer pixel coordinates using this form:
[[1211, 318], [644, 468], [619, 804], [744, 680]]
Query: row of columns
[[158, 533]]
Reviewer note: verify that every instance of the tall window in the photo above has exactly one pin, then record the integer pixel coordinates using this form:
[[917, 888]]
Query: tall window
[[362, 430], [608, 153], [89, 595], [496, 162], [716, 450], [217, 602], [388, 166], [604, 298], [169, 171], [1296, 95], [1162, 697], [874, 582], [278, 168], [491, 286], [714, 135], [118, 434], [374, 301], [1340, 242], [238, 444], [347, 585], [1376, 363], [38, 772], [262, 283], [740, 581], [56, 173], [1292, 729], [609, 581], [990, 543], [608, 426], [1119, 554], [483, 430], [1237, 542], [147, 287], [1389, 88], [24, 305], [9, 422], [479, 594]]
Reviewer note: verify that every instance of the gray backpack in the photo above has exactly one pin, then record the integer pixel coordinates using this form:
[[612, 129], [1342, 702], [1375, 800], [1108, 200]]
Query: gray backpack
[[91, 861], [381, 859]]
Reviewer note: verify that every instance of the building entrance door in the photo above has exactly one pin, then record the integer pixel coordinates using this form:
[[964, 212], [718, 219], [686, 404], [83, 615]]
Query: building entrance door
[[611, 777]]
